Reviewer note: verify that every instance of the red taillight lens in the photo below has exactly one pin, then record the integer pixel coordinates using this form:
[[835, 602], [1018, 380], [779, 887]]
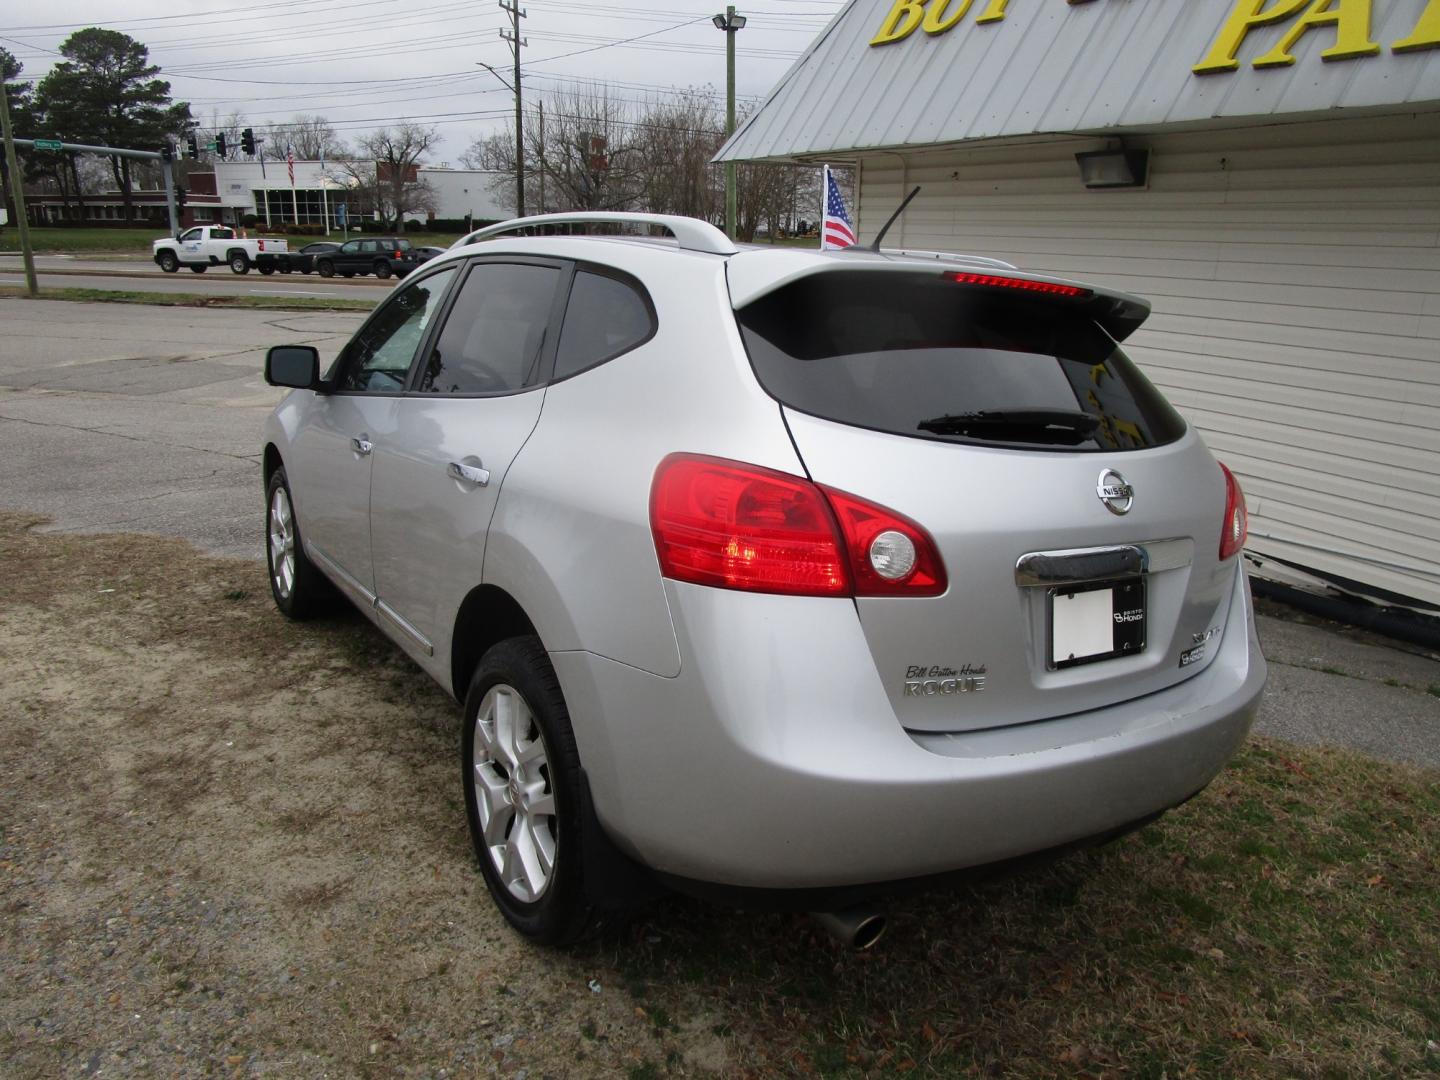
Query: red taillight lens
[[738, 526], [995, 281], [890, 555], [1236, 526]]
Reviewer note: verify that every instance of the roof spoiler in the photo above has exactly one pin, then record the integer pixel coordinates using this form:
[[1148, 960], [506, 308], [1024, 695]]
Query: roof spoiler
[[758, 273]]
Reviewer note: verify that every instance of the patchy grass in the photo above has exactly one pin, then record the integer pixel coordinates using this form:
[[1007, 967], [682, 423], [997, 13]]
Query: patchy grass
[[167, 299], [249, 833]]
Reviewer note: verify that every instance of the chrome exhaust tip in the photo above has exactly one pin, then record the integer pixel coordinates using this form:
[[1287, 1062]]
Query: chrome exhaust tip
[[856, 928]]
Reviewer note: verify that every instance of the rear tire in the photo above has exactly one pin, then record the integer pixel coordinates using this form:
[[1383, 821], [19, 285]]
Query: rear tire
[[521, 773], [382, 269], [239, 262], [300, 590], [326, 268], [168, 262]]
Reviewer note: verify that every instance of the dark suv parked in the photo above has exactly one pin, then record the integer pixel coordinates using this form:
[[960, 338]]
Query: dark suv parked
[[379, 255]]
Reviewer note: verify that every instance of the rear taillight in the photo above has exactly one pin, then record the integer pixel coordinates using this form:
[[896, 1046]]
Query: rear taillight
[[1236, 526], [889, 555], [737, 526]]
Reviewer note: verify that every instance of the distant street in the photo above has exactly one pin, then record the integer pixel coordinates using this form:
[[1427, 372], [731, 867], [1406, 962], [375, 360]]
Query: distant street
[[116, 417], [138, 275]]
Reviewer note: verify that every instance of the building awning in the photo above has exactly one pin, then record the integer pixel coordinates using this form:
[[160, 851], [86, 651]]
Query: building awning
[[901, 74]]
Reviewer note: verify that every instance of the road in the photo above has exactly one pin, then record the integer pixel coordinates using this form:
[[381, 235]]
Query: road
[[138, 275], [148, 419]]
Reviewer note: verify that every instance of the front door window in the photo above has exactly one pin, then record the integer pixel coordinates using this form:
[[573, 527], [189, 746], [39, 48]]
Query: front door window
[[378, 360]]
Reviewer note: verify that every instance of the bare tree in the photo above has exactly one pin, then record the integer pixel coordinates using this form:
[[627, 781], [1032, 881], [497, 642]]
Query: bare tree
[[382, 174], [310, 136], [679, 138], [396, 152], [491, 152]]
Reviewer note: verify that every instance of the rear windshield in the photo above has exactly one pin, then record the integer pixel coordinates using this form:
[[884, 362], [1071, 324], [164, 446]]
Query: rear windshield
[[922, 356]]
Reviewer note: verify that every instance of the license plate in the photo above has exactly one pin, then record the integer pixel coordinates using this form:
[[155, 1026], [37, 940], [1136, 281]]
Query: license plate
[[1096, 622]]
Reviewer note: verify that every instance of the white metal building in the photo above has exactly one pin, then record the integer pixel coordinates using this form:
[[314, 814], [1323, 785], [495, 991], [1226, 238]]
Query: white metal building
[[1288, 231], [245, 187]]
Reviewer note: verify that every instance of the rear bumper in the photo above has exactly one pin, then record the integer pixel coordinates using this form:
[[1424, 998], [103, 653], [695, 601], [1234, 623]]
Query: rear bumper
[[777, 761]]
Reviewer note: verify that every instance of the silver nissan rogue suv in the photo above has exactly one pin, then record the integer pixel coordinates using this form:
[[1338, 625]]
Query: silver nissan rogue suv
[[769, 573]]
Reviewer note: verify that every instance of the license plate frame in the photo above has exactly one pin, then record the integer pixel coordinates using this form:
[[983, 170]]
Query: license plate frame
[[1081, 628]]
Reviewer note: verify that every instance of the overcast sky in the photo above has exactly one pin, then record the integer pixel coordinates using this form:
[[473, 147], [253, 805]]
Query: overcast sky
[[365, 63]]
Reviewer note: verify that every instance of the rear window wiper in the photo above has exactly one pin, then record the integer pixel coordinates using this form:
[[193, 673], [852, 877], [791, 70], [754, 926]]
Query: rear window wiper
[[1063, 426]]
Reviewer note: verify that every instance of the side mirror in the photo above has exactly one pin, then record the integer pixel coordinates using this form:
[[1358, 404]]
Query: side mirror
[[297, 366]]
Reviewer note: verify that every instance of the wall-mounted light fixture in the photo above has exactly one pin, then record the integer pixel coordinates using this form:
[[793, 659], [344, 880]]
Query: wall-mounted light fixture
[[1119, 167]]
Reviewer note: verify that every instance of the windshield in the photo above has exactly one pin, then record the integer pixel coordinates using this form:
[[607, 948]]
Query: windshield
[[917, 355]]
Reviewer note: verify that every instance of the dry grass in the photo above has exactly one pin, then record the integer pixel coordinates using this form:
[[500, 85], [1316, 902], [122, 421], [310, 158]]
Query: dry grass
[[231, 845]]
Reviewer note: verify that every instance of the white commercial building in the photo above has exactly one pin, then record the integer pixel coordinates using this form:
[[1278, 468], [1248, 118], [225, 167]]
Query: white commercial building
[[320, 188], [1271, 174]]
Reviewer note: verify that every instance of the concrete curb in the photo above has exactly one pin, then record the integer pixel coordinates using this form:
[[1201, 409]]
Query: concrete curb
[[151, 275]]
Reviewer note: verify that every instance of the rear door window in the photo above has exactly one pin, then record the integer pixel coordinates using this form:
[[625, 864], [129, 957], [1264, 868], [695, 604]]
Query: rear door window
[[606, 316], [494, 336], [921, 356]]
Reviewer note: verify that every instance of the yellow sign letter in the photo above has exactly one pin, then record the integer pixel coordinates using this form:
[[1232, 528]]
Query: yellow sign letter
[[904, 17], [994, 13], [1351, 19], [1426, 34], [1247, 15], [937, 21]]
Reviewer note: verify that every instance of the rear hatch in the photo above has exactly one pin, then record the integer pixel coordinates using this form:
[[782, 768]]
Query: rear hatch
[[1077, 516]]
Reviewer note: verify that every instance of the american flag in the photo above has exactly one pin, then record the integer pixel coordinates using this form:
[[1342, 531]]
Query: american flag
[[290, 164], [835, 230]]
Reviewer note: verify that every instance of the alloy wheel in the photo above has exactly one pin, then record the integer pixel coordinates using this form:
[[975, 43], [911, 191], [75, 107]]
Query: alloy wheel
[[514, 796], [282, 543]]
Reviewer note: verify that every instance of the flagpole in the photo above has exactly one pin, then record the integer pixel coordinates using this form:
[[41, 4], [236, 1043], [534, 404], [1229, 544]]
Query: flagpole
[[294, 199], [265, 185], [324, 196], [824, 202]]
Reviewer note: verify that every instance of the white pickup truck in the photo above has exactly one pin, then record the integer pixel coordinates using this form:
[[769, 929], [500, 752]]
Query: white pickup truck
[[212, 245]]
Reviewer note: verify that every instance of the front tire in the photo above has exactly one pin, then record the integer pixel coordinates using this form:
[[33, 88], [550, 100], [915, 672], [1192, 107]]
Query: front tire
[[300, 590], [239, 262], [521, 773], [168, 262], [269, 270]]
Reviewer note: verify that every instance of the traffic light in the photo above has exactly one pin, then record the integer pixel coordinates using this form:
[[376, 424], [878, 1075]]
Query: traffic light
[[167, 153], [220, 145], [180, 194], [247, 141], [192, 148]]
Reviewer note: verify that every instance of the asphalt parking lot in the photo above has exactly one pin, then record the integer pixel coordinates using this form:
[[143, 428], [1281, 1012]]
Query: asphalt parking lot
[[148, 419]]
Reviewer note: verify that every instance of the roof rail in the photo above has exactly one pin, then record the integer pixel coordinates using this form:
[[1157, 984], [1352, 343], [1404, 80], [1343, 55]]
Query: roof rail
[[691, 234]]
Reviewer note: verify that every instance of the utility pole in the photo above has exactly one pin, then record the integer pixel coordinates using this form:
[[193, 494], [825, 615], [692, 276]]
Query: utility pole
[[516, 13], [17, 187], [732, 24], [542, 156]]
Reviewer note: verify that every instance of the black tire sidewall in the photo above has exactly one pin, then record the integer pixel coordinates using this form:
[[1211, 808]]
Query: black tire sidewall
[[325, 267], [563, 914]]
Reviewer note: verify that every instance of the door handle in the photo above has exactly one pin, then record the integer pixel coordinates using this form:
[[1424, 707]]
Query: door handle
[[362, 444], [471, 474]]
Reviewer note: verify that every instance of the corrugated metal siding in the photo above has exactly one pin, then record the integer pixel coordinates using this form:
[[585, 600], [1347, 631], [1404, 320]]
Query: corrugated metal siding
[[1054, 67], [1295, 273]]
